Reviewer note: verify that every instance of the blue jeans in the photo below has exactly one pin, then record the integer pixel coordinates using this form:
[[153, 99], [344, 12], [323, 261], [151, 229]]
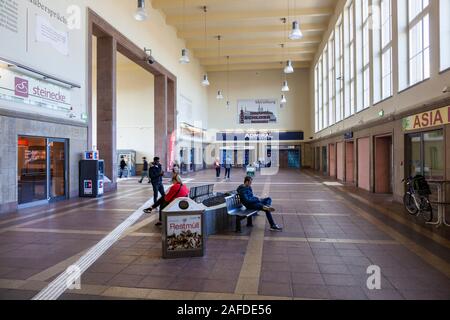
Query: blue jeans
[[158, 188], [259, 206], [227, 173]]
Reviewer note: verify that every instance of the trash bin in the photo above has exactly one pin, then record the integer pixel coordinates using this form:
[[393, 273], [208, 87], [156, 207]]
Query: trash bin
[[183, 232]]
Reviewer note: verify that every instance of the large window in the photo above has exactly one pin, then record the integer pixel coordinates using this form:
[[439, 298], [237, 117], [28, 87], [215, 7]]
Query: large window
[[366, 53], [320, 95], [386, 48], [349, 59], [419, 40], [316, 98], [444, 28], [331, 81], [325, 88], [339, 67]]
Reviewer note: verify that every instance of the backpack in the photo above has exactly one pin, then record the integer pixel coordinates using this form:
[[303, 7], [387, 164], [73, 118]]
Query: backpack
[[421, 185]]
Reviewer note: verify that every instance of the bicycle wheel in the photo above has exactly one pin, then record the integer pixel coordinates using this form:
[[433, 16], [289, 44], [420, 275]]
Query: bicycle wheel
[[427, 211], [410, 205]]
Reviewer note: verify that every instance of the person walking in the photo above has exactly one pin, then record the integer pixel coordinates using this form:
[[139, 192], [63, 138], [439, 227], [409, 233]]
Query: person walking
[[217, 167], [122, 166], [156, 173], [227, 169], [144, 170], [177, 190], [251, 202]]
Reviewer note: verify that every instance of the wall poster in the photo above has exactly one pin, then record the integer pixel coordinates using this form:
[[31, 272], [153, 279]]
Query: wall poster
[[258, 111]]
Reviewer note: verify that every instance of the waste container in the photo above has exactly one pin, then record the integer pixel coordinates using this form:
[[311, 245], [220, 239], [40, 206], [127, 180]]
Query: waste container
[[183, 232]]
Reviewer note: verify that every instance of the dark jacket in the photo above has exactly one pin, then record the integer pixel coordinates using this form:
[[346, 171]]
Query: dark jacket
[[246, 195], [123, 164], [145, 165], [155, 173]]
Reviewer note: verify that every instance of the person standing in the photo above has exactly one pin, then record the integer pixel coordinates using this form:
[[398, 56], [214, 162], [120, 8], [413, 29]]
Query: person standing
[[217, 167], [251, 202], [156, 173], [123, 165], [227, 169], [144, 170]]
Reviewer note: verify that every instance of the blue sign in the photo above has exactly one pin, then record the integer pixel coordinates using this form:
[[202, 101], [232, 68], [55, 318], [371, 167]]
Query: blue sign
[[260, 136], [348, 135]]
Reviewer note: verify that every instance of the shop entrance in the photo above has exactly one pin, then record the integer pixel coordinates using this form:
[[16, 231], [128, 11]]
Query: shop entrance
[[383, 164], [349, 162], [42, 169], [425, 154]]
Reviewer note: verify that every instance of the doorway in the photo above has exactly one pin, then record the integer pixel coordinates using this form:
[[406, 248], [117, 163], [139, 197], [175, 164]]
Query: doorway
[[349, 162], [340, 165], [42, 170], [383, 164], [332, 160], [324, 160]]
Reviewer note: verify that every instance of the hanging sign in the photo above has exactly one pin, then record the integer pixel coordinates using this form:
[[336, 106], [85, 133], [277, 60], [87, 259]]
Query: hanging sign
[[429, 119]]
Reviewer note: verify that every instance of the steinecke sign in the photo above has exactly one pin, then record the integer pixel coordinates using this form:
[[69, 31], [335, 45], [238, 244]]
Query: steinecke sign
[[429, 119]]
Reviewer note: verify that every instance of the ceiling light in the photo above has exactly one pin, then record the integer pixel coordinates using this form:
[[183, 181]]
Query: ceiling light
[[283, 99], [289, 68], [141, 13], [228, 105], [184, 56], [205, 81], [285, 87], [219, 95], [296, 33]]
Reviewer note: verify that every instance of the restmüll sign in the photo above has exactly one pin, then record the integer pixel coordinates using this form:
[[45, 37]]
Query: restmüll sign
[[429, 119]]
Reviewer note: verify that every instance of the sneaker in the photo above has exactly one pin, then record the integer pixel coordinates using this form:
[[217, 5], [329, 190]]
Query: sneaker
[[276, 228], [268, 208], [158, 224]]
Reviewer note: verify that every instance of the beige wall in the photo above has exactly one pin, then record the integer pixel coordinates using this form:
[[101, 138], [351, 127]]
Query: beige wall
[[135, 109], [260, 84]]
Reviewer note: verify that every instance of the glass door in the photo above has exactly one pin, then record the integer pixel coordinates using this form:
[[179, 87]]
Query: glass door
[[57, 165], [31, 170]]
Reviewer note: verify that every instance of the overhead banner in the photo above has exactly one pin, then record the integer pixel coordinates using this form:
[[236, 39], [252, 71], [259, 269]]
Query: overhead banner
[[20, 88], [429, 119], [262, 111]]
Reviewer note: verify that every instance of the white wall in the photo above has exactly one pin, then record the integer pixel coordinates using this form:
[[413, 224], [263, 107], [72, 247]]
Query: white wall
[[135, 109], [294, 115]]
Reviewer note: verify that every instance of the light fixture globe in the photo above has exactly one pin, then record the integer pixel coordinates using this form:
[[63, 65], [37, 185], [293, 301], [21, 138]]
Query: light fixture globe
[[219, 95], [228, 105], [283, 99], [289, 68], [141, 13], [205, 81], [184, 56], [285, 87], [296, 33]]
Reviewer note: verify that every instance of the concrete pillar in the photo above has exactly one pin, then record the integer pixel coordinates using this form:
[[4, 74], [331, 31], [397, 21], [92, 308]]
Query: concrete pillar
[[161, 117], [106, 107]]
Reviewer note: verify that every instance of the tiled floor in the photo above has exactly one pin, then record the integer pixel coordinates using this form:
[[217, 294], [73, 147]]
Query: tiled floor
[[332, 234]]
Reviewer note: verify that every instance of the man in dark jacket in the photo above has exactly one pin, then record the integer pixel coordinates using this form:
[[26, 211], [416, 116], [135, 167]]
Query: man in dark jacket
[[123, 165], [144, 171], [156, 174], [251, 202]]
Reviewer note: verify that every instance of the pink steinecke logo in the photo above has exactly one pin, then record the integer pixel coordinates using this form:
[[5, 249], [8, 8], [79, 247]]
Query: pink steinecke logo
[[21, 87]]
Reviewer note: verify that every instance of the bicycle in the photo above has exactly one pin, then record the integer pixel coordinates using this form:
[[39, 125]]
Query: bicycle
[[416, 198]]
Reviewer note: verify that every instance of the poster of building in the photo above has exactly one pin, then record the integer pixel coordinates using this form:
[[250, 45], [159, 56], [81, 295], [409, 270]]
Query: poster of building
[[258, 111], [184, 232]]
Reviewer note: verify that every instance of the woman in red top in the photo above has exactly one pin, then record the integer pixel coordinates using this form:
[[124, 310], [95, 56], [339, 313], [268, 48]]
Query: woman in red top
[[177, 190]]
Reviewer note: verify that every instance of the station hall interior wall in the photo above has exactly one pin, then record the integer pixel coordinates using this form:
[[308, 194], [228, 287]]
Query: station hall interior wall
[[417, 95], [134, 93]]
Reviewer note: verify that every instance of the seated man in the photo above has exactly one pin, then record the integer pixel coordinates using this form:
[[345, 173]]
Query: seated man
[[251, 202], [177, 190]]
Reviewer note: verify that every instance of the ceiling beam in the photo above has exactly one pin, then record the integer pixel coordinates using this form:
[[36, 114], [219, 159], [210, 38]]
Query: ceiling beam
[[255, 66], [200, 54], [256, 59], [258, 42], [239, 30], [171, 4], [249, 15]]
